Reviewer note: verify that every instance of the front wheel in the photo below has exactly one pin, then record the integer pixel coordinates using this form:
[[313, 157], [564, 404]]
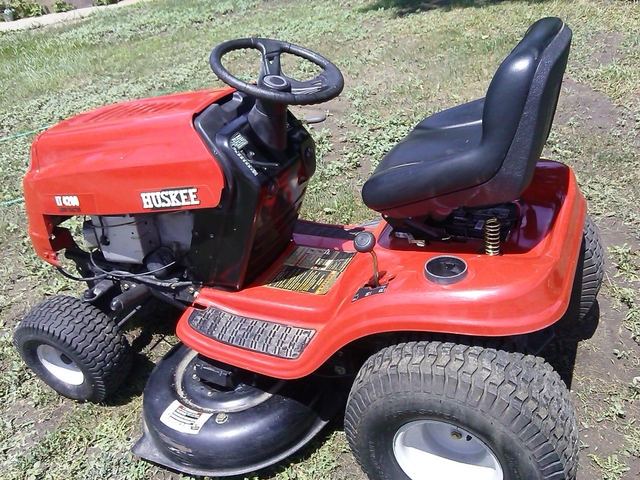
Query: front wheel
[[423, 410], [74, 348]]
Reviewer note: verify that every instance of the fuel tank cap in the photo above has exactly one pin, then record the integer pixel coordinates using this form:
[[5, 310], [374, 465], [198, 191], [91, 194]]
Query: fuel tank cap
[[445, 269]]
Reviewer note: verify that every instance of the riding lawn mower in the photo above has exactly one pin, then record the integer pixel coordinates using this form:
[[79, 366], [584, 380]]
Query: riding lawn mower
[[423, 326]]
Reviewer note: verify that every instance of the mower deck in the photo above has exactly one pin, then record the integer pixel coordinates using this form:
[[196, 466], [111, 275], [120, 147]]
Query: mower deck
[[307, 306]]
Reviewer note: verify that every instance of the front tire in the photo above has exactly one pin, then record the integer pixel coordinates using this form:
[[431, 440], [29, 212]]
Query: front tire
[[423, 410], [74, 348]]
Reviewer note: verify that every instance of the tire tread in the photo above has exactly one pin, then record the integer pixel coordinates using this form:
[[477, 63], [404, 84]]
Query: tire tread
[[520, 391], [593, 269], [92, 335]]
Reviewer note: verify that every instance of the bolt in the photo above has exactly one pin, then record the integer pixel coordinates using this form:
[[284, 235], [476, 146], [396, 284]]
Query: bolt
[[456, 435], [340, 370], [209, 393], [194, 376], [221, 418], [308, 154]]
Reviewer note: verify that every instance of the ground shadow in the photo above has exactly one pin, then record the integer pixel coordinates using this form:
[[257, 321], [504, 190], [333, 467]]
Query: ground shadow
[[407, 7], [302, 455], [134, 384], [562, 350], [152, 324]]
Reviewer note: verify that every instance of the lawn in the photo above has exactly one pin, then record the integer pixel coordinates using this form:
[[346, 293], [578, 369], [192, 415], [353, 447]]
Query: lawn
[[402, 60]]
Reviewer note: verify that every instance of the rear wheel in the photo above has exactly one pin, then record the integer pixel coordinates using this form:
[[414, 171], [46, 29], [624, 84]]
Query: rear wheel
[[74, 348], [587, 279], [423, 410], [592, 266]]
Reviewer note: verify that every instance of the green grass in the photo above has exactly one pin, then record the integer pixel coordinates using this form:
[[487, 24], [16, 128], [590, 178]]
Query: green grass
[[402, 60]]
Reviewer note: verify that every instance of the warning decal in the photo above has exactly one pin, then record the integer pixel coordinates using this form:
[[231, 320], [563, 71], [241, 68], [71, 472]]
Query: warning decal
[[183, 419], [310, 270]]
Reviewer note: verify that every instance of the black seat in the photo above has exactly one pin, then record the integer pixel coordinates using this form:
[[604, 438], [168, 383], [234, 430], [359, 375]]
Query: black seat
[[483, 152]]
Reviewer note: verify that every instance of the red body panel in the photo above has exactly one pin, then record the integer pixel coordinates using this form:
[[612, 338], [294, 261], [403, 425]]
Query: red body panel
[[101, 162], [522, 291]]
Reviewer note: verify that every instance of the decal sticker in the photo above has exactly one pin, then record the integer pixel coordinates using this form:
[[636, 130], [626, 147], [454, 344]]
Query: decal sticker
[[67, 200], [238, 142], [368, 291], [310, 270], [67, 203], [183, 419], [178, 197]]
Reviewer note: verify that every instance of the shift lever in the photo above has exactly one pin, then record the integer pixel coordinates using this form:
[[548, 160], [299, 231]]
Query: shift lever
[[364, 242]]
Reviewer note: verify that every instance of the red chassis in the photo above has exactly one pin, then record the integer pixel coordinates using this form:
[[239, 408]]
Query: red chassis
[[522, 291]]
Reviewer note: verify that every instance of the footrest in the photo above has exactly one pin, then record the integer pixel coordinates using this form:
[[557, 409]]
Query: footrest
[[279, 340]]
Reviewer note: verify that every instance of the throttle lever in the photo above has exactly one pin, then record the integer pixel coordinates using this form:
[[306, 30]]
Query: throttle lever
[[363, 243]]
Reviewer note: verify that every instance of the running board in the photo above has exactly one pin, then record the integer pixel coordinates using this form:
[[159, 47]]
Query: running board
[[276, 339]]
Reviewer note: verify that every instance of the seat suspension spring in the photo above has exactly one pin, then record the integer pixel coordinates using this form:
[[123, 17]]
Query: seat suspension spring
[[492, 237]]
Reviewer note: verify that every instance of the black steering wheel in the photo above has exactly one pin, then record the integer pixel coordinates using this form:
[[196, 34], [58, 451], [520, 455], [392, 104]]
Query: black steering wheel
[[272, 85]]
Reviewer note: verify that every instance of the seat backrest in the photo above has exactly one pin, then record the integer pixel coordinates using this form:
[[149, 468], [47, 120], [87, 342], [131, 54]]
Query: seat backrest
[[483, 152], [520, 104]]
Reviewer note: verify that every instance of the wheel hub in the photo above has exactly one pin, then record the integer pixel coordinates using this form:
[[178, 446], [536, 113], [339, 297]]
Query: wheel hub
[[433, 449], [60, 365]]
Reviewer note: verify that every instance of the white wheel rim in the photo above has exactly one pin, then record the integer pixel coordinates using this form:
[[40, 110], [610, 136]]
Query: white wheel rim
[[428, 449], [59, 365]]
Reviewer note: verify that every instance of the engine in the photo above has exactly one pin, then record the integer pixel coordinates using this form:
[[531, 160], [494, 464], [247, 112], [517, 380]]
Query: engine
[[155, 240]]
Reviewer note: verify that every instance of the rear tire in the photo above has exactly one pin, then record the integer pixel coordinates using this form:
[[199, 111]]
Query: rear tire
[[74, 348], [587, 279], [592, 268], [422, 410]]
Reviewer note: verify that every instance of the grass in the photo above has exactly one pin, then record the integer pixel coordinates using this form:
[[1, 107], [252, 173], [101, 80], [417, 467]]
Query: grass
[[402, 60]]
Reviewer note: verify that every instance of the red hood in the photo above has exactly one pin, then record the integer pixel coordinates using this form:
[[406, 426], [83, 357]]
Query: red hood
[[106, 133], [108, 156]]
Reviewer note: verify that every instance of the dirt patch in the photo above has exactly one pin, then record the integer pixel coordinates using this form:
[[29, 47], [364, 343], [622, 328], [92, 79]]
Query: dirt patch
[[608, 52], [348, 468], [582, 106], [605, 365]]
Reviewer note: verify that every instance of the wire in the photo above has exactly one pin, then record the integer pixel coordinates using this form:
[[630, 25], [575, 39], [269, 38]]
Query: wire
[[80, 279], [11, 202], [122, 274], [23, 134]]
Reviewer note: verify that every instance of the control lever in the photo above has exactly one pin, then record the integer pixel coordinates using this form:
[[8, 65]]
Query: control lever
[[364, 242]]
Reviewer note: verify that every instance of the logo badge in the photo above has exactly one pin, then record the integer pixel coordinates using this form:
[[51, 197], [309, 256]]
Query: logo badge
[[67, 200], [179, 197], [67, 203]]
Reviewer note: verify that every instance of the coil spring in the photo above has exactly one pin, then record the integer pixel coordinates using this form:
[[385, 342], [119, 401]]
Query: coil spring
[[492, 237]]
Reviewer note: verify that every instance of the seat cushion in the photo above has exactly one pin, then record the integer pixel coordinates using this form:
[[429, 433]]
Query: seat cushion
[[483, 152], [438, 156]]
